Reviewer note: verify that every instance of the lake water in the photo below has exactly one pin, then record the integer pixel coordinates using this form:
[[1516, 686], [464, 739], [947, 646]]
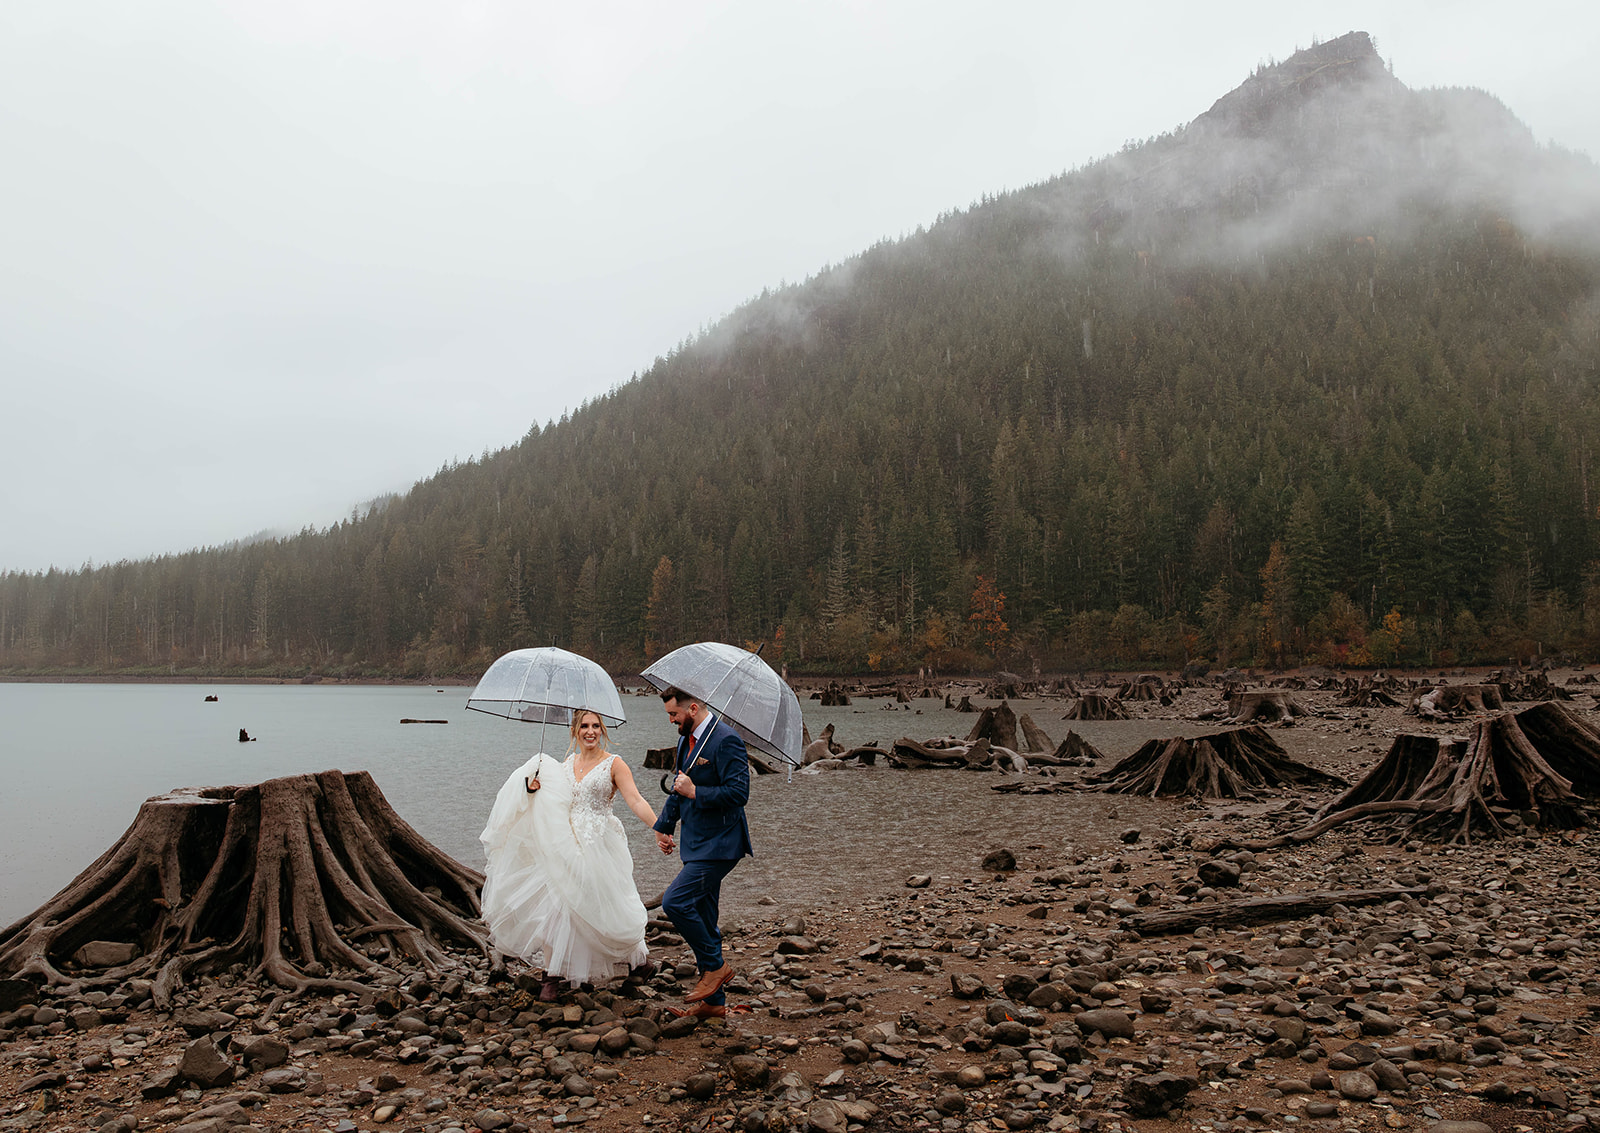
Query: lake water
[[78, 759]]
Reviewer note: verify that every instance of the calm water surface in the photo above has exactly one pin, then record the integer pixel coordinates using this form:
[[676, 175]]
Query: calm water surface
[[78, 759]]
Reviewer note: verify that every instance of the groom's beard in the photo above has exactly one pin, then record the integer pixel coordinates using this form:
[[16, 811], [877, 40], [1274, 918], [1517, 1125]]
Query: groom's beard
[[686, 728]]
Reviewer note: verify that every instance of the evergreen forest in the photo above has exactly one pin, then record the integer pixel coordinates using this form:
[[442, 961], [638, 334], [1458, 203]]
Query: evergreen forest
[[1312, 379]]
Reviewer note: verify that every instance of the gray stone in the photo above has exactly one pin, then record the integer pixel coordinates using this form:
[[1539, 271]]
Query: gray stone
[[1156, 1094], [104, 954], [1388, 1075], [490, 1120], [163, 1085], [1377, 1023], [1293, 1030], [1460, 1127], [749, 1071], [264, 1053], [1358, 1086], [576, 1086], [999, 861], [826, 1117], [1110, 1022], [964, 986], [1219, 874], [288, 1080], [205, 1065], [198, 1023], [616, 1040], [701, 1086]]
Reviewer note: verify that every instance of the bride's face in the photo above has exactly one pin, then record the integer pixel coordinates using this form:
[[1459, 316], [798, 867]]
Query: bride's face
[[589, 732]]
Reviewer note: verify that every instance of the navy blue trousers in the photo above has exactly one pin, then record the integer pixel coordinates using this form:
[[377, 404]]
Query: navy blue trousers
[[691, 903]]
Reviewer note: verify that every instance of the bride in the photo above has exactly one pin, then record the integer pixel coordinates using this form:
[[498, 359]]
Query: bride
[[559, 885]]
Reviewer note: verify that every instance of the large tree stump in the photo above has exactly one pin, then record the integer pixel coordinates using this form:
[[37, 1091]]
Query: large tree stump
[[1232, 764], [1094, 706], [998, 725], [289, 875], [1516, 770], [1365, 694], [1271, 705], [1449, 702]]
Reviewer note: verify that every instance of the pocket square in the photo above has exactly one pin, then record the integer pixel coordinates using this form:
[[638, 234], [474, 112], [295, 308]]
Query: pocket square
[[700, 761]]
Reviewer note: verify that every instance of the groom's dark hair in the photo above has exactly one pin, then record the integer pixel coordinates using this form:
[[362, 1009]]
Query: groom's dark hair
[[673, 692]]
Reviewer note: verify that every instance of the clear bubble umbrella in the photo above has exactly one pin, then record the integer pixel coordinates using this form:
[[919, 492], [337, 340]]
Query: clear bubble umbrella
[[742, 688], [545, 686]]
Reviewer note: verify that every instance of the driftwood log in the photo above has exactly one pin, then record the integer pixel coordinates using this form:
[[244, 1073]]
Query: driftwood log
[[1257, 910], [1232, 764], [291, 876], [660, 759]]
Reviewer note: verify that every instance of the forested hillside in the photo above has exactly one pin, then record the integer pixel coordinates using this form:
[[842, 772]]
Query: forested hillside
[[1316, 378]]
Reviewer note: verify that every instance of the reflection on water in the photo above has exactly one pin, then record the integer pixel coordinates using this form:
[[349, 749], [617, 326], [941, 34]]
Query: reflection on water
[[79, 759]]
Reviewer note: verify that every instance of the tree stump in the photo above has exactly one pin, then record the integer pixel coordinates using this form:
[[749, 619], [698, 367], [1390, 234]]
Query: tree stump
[[1074, 751], [1515, 771], [1232, 764], [1094, 706], [1033, 736], [998, 725], [288, 875], [1449, 702], [1271, 705]]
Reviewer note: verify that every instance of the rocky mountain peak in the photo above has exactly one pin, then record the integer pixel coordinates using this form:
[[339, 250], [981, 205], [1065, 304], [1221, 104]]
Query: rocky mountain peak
[[1350, 62]]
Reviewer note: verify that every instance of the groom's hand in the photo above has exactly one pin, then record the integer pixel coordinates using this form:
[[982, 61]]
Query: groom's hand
[[664, 841], [683, 785]]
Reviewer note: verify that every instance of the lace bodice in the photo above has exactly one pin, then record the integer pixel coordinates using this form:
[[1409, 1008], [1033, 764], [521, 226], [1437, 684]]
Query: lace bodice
[[591, 801]]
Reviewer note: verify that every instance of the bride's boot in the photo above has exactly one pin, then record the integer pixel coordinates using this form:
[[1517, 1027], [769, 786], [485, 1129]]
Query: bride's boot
[[550, 991]]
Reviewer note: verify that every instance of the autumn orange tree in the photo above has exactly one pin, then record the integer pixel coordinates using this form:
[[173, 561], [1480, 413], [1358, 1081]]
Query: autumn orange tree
[[988, 615]]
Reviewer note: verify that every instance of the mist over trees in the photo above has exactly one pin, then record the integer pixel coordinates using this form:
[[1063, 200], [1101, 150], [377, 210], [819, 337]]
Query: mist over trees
[[1313, 379]]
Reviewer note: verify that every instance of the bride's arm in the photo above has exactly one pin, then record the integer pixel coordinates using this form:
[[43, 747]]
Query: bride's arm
[[622, 780]]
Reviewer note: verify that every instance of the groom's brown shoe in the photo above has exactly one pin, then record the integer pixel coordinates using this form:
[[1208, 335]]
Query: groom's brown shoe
[[710, 983]]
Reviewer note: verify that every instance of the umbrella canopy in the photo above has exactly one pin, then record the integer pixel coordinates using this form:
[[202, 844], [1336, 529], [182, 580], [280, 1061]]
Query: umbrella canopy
[[742, 688], [545, 686]]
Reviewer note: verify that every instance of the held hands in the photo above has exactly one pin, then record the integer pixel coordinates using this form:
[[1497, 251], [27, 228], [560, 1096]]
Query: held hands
[[683, 785], [664, 842]]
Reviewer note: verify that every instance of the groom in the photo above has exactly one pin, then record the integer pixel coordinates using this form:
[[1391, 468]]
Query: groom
[[710, 786]]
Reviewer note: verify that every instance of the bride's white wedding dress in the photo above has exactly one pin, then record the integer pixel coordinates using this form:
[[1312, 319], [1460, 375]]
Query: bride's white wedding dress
[[559, 891]]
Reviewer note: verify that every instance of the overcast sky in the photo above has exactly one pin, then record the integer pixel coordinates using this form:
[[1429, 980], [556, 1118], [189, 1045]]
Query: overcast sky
[[260, 262]]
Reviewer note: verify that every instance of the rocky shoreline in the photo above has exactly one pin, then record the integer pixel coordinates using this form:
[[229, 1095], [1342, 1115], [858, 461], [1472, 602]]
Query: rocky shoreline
[[1339, 984], [1009, 999]]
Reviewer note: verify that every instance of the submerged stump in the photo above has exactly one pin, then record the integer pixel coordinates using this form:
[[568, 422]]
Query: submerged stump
[[289, 876], [1232, 765]]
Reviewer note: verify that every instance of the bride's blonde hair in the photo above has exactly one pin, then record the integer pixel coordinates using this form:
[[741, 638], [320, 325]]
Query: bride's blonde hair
[[577, 719]]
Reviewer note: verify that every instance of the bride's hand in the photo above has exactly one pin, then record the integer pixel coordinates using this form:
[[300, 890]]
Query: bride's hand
[[531, 784]]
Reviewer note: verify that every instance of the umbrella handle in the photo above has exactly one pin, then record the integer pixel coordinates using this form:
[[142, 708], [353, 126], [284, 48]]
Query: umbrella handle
[[666, 784]]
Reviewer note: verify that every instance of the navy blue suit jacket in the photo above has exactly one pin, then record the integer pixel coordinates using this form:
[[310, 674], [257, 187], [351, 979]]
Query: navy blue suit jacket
[[714, 826]]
